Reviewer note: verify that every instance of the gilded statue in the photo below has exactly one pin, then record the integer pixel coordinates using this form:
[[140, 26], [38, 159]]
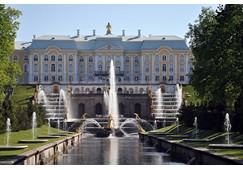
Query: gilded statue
[[108, 27]]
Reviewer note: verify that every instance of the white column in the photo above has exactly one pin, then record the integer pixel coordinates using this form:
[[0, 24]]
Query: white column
[[142, 69], [131, 69]]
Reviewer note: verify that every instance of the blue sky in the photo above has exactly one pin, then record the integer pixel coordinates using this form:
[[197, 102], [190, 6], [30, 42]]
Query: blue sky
[[65, 19]]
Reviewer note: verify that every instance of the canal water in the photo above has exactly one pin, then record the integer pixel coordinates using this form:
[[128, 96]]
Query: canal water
[[113, 151]]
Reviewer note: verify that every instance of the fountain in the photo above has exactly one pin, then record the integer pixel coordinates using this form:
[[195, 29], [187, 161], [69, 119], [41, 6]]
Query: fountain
[[8, 132], [34, 125], [178, 93], [178, 130], [195, 134], [227, 126]]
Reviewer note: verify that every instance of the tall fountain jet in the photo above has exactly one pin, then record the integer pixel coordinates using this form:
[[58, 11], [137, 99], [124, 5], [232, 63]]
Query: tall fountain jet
[[113, 104]]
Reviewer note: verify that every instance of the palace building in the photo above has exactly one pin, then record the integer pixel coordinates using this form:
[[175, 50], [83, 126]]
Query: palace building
[[82, 62]]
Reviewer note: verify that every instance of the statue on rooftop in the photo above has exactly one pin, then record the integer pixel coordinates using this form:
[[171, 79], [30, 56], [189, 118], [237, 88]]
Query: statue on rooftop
[[108, 27]]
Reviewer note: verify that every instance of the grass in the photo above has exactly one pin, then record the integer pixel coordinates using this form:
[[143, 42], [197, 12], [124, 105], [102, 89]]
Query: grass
[[215, 137], [25, 135], [22, 94]]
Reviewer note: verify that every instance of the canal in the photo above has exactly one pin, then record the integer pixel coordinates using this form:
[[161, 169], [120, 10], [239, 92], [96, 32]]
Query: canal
[[113, 151]]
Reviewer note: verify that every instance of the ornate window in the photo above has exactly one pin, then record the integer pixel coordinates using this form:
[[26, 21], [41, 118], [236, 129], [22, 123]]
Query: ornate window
[[26, 57], [53, 68], [126, 58], [164, 67], [182, 78], [90, 59], [146, 58], [35, 58], [53, 58], [164, 57], [90, 68], [46, 58], [156, 57], [26, 68], [70, 68], [59, 68], [70, 58], [15, 57], [127, 68], [171, 58], [182, 68], [147, 68], [156, 67], [81, 58], [136, 59], [59, 58], [35, 68], [171, 67], [108, 58], [182, 58], [118, 58], [46, 68], [136, 68]]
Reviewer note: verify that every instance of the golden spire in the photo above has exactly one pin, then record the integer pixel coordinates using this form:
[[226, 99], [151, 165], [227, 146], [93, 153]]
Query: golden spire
[[108, 27]]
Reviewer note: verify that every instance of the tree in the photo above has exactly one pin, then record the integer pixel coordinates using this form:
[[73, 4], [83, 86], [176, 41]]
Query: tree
[[8, 69], [216, 40]]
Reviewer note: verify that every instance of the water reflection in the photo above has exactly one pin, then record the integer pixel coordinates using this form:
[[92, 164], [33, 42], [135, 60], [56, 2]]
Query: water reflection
[[112, 151]]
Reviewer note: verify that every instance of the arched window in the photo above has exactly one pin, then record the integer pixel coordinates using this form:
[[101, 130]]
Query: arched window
[[70, 58], [70, 68], [100, 67], [182, 68], [164, 67], [46, 58], [98, 109], [146, 58], [35, 58], [182, 58], [98, 90], [26, 68], [136, 69], [81, 110], [90, 59], [121, 109], [35, 67], [59, 68], [53, 58], [147, 68], [119, 90], [118, 58], [81, 68], [46, 68], [53, 68], [59, 58], [15, 57], [164, 57], [136, 59], [171, 67], [81, 58], [137, 108], [156, 57], [156, 67], [171, 58], [26, 57], [126, 59]]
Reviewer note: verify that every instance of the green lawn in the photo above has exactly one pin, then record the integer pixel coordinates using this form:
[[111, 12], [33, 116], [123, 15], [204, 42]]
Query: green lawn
[[25, 135], [215, 137], [22, 94]]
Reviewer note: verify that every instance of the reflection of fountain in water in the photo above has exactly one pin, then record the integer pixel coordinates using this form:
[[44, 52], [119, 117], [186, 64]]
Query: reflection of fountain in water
[[34, 124], [195, 124], [227, 126], [8, 131], [49, 125], [155, 125], [58, 125]]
